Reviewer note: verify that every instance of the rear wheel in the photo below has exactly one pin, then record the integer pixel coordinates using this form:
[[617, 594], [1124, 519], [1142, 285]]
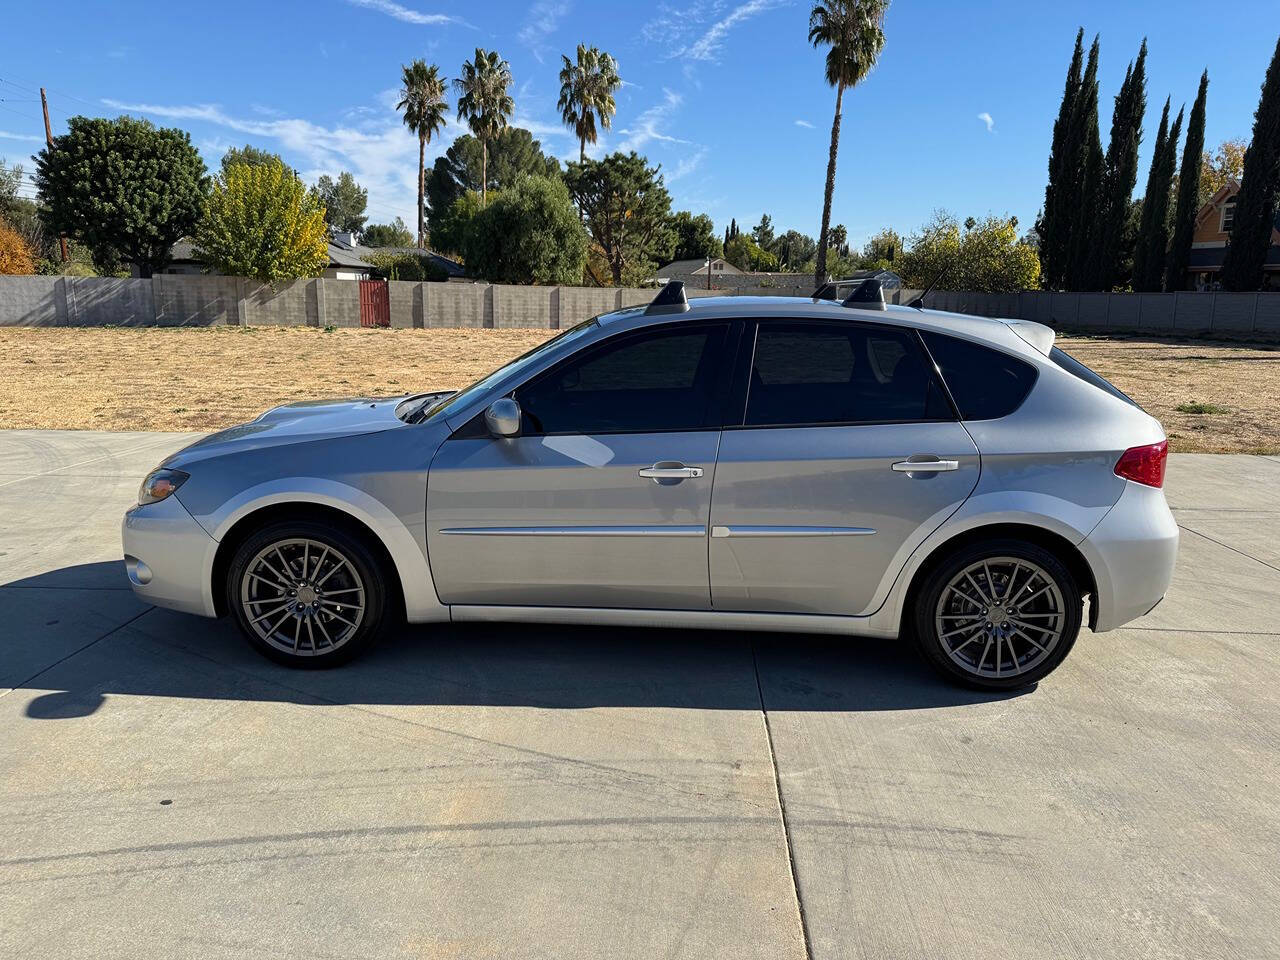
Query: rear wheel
[[998, 615], [306, 594]]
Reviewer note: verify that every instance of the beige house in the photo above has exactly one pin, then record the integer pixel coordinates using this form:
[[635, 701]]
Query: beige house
[[1212, 234]]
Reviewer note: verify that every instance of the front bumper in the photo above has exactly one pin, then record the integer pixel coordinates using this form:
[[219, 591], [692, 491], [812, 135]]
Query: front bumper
[[1132, 553], [169, 557]]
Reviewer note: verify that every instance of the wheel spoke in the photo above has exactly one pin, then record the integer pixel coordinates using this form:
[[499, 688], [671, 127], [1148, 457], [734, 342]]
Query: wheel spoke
[[270, 613], [964, 629], [283, 578], [1030, 641], [334, 593], [337, 565], [985, 651], [338, 616], [297, 633], [276, 584], [985, 598], [320, 624]]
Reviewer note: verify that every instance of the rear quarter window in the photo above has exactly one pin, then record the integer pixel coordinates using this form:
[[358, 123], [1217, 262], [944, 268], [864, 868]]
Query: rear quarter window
[[1077, 369], [986, 384]]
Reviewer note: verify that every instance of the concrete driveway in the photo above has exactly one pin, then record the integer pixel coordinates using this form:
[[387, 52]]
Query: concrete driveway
[[509, 792]]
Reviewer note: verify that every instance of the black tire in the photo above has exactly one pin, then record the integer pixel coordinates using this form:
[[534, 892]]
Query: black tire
[[360, 579], [962, 615]]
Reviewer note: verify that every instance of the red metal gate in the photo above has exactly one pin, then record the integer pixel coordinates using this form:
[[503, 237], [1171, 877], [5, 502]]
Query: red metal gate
[[375, 304]]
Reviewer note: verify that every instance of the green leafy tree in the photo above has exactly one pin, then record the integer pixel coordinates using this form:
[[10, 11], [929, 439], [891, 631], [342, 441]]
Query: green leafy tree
[[394, 234], [882, 250], [1184, 217], [745, 254], [262, 222], [123, 188], [763, 234], [1151, 252], [514, 154], [423, 103], [587, 86], [405, 265], [695, 237], [1054, 227], [1259, 186], [344, 202], [1121, 174], [253, 156], [530, 233], [795, 249], [627, 212], [450, 230], [853, 32], [485, 104], [986, 257], [1223, 165]]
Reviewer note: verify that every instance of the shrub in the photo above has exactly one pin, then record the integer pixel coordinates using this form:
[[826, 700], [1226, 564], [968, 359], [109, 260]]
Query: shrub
[[15, 255], [403, 265]]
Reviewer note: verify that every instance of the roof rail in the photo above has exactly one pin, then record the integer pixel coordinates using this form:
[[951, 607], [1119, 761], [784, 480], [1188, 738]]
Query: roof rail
[[670, 299]]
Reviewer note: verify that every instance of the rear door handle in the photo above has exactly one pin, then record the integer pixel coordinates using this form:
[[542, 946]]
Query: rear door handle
[[926, 466], [669, 471]]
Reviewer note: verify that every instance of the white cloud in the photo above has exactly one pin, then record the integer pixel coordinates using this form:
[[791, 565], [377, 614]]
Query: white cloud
[[686, 165], [543, 20], [647, 126], [804, 123], [707, 46], [30, 138], [381, 153], [987, 119], [405, 14]]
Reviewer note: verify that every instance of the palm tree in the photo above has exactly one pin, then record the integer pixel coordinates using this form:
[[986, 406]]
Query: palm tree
[[854, 30], [423, 101], [586, 94], [485, 104]]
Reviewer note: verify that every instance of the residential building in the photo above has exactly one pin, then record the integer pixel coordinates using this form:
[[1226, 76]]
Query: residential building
[[1213, 233]]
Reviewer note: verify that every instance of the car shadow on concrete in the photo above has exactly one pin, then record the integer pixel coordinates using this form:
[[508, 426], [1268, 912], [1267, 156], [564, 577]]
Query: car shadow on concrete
[[167, 654]]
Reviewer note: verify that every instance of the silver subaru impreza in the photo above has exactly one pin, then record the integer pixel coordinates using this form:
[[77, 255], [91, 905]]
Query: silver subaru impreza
[[734, 462]]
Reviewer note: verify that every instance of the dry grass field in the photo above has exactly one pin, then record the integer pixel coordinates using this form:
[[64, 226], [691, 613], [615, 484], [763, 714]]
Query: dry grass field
[[207, 378]]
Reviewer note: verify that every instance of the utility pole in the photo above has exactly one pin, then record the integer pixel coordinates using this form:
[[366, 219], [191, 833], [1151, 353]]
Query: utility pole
[[48, 138]]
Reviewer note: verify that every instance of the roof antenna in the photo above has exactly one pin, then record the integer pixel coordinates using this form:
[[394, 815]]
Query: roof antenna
[[918, 302], [670, 299]]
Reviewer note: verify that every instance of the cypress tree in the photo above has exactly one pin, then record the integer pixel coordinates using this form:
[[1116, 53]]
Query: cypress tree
[[1085, 169], [1153, 236], [1054, 227], [1121, 174], [1256, 202], [1184, 218]]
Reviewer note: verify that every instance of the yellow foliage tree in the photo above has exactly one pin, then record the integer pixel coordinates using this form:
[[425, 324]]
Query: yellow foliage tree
[[261, 222], [15, 255], [982, 255]]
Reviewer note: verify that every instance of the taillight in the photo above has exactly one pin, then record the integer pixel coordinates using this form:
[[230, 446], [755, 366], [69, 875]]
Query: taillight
[[1144, 464]]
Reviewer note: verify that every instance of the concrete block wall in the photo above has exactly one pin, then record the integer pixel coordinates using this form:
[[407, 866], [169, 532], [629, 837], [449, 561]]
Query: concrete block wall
[[194, 300]]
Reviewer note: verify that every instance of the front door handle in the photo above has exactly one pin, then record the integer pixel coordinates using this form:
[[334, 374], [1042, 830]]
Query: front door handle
[[670, 471], [926, 466]]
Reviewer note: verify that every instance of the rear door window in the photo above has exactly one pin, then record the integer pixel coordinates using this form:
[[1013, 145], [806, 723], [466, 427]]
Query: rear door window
[[810, 374], [986, 384]]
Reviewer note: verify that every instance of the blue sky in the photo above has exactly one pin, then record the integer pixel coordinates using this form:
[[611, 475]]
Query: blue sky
[[726, 94]]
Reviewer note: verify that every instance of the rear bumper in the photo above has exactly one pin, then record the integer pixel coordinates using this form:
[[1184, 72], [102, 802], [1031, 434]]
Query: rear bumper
[[168, 557], [1132, 552]]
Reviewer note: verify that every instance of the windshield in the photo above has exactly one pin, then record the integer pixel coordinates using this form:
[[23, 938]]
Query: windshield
[[464, 396]]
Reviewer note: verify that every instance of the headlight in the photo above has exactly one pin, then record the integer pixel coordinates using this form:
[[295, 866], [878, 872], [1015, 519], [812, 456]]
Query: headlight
[[160, 484]]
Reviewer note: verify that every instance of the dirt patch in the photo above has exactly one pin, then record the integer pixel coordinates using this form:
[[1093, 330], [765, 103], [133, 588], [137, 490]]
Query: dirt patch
[[207, 378]]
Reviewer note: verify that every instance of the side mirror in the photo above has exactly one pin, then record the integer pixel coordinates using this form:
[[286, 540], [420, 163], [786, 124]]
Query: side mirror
[[503, 418]]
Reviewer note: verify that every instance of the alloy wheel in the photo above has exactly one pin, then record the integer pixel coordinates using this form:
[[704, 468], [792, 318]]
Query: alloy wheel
[[1000, 617], [302, 596]]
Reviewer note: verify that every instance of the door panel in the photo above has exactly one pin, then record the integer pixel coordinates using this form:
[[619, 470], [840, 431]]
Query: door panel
[[808, 519], [567, 520]]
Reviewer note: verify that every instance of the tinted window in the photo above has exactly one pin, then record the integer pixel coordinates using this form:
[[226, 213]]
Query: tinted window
[[1074, 367], [838, 373], [984, 383], [656, 381]]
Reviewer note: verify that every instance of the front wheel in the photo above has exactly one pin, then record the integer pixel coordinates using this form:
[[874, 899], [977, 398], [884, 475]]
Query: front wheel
[[306, 594], [998, 615]]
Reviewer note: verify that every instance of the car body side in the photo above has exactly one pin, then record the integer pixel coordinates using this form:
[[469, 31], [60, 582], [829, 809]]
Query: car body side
[[1045, 469]]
